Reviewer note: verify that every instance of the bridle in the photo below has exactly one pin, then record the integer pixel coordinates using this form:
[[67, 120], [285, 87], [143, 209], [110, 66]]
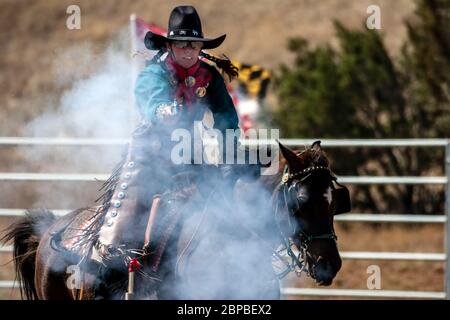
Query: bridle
[[288, 186]]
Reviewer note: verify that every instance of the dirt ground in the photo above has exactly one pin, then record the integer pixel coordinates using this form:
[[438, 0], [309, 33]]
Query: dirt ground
[[395, 275]]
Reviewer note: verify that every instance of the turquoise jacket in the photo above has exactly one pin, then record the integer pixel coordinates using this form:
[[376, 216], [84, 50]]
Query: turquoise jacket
[[153, 88]]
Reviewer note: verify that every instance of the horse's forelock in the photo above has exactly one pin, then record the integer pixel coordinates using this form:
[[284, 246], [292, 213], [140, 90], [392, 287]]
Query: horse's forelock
[[313, 157]]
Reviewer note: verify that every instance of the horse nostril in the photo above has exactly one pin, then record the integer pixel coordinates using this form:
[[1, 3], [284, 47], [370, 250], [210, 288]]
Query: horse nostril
[[323, 272]]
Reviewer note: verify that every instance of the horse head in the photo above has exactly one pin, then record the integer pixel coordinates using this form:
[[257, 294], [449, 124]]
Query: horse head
[[306, 201]]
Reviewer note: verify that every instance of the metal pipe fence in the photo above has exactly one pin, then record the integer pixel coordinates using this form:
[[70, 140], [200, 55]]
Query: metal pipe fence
[[385, 218]]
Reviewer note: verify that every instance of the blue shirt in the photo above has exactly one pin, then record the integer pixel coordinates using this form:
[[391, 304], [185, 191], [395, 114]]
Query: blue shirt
[[153, 88]]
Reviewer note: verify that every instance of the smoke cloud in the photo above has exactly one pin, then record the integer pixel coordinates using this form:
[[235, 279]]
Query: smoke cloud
[[238, 237]]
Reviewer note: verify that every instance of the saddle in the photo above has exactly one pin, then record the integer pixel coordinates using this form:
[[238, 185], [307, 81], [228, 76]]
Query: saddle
[[166, 214]]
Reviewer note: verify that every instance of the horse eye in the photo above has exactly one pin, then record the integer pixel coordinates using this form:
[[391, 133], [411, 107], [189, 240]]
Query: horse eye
[[301, 192], [302, 195]]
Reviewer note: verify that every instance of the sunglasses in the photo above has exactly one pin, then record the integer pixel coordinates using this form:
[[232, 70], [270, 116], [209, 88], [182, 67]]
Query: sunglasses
[[196, 45]]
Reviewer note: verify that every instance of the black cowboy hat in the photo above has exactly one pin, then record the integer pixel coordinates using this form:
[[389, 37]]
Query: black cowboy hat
[[184, 25]]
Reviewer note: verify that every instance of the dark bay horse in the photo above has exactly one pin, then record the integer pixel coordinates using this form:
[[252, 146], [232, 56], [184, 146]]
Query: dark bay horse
[[218, 250]]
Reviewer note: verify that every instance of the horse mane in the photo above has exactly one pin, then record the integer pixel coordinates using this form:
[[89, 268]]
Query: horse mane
[[109, 186], [91, 231]]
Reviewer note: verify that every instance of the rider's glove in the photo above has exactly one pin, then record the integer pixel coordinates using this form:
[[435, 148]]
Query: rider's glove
[[164, 111]]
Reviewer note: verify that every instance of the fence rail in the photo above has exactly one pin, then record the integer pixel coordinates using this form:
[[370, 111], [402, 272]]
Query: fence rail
[[61, 141], [355, 255], [361, 255], [401, 218], [286, 291], [4, 212], [363, 293], [8, 284], [289, 142], [75, 177], [99, 177], [389, 218], [349, 217]]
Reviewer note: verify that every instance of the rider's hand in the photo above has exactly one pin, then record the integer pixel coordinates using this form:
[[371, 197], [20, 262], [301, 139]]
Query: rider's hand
[[166, 111]]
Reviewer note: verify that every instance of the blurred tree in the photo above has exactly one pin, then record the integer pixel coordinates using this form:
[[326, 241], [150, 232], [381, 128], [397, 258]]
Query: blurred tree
[[359, 91]]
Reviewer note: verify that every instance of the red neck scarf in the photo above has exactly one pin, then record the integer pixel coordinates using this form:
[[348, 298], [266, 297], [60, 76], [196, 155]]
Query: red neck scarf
[[188, 93]]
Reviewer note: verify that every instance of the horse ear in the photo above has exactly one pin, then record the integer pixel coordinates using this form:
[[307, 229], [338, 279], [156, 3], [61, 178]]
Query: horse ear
[[292, 159], [319, 153], [316, 145]]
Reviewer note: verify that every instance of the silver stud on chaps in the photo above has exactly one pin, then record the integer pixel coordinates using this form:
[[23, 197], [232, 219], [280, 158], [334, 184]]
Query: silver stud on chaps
[[127, 215]]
